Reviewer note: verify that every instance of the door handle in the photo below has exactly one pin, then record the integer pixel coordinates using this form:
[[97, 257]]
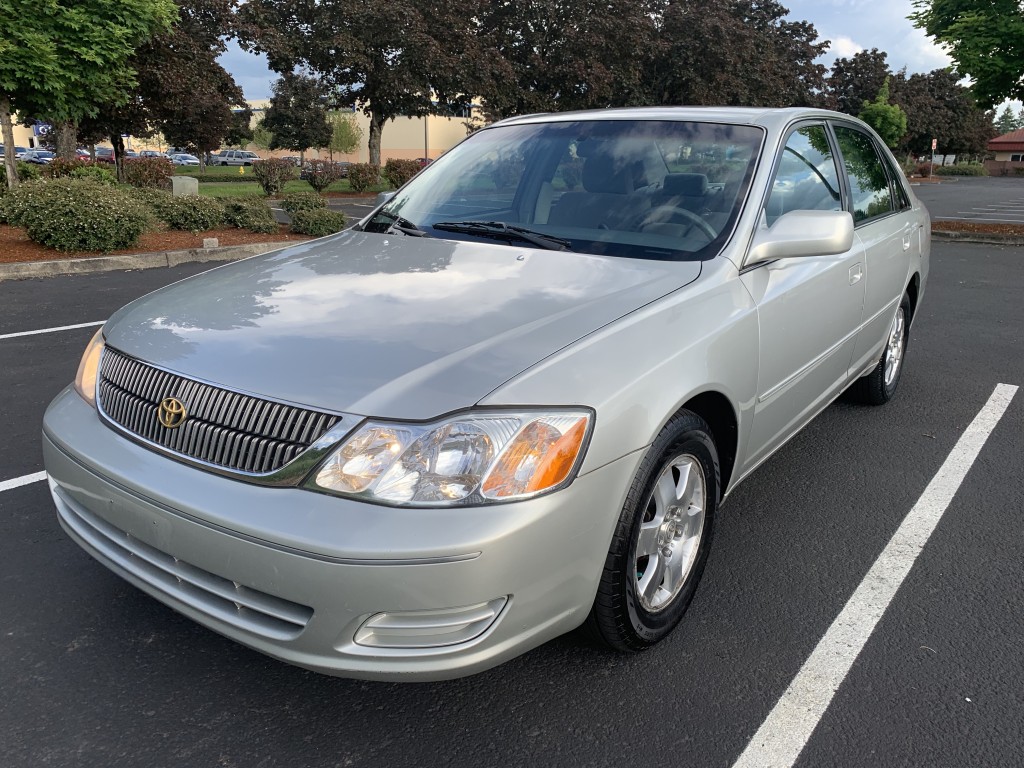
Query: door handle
[[856, 273]]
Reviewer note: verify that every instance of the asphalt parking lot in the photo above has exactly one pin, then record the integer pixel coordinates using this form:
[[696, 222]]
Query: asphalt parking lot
[[95, 673], [993, 199]]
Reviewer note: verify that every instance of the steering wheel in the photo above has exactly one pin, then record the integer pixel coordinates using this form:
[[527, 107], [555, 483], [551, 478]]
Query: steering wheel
[[664, 214]]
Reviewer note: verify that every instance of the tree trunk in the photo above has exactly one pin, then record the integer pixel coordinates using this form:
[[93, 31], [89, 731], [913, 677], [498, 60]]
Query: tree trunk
[[65, 139], [118, 144], [376, 129], [8, 133]]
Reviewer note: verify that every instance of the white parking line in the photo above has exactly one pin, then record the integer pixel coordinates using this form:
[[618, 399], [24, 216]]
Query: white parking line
[[783, 735], [8, 485], [52, 330]]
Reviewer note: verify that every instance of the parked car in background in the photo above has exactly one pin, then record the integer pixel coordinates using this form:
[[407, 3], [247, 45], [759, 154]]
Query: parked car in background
[[19, 152], [104, 155], [342, 165], [294, 160], [424, 161], [82, 154], [38, 156], [236, 157], [508, 402], [151, 153], [182, 158]]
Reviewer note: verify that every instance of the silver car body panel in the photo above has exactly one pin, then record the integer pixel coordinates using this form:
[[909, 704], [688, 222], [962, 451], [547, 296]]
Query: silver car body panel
[[384, 325], [394, 327]]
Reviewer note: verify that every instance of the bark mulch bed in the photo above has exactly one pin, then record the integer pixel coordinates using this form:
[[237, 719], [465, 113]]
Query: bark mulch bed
[[15, 245], [978, 227]]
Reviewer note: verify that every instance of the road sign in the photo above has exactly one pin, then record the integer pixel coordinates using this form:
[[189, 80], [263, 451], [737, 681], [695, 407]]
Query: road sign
[[935, 143]]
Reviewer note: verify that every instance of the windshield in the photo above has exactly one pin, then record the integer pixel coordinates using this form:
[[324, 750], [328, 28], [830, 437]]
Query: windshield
[[638, 189]]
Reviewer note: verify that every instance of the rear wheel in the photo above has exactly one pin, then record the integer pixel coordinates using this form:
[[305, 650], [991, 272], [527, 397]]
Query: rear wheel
[[879, 386], [662, 539]]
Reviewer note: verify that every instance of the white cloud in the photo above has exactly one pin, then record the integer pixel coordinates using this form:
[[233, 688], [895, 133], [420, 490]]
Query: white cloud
[[843, 47]]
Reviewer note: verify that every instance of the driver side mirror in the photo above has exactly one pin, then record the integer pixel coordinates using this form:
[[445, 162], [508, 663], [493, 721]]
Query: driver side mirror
[[802, 233]]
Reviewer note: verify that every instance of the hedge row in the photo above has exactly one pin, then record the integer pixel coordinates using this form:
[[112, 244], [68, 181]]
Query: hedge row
[[91, 214]]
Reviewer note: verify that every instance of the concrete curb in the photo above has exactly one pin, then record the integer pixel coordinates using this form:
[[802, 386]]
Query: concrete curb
[[28, 269], [977, 237]]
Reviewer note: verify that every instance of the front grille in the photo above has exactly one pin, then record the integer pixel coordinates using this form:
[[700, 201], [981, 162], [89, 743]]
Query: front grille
[[228, 429]]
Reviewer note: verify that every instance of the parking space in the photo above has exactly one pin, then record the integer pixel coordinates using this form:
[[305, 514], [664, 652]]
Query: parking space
[[98, 674], [996, 200]]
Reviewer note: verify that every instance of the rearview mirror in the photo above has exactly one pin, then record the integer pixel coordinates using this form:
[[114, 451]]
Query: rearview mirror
[[803, 233]]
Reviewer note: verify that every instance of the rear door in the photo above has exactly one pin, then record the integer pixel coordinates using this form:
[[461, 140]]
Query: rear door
[[889, 237]]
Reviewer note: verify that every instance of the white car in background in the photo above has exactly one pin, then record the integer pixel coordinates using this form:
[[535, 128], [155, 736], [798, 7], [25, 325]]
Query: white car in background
[[184, 159]]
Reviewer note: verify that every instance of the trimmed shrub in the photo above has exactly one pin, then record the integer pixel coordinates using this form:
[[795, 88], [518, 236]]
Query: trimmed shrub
[[273, 173], [248, 213], [397, 172], [302, 201], [156, 200], [78, 169], [322, 173], [148, 172], [924, 169], [362, 176], [318, 223], [95, 172], [59, 167], [26, 172], [1018, 171], [77, 215], [192, 213], [961, 169]]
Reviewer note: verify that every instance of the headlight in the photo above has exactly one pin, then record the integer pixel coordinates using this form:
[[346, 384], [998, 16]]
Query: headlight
[[88, 369], [475, 458]]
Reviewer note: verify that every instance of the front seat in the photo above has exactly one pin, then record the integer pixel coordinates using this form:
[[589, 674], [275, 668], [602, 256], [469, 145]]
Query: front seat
[[606, 202]]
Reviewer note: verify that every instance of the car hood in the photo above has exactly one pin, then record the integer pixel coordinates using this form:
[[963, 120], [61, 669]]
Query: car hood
[[384, 325]]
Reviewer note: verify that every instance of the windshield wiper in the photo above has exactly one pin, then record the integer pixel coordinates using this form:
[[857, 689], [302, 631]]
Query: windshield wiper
[[502, 231], [399, 224]]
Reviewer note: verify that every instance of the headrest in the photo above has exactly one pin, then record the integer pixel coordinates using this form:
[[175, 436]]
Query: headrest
[[601, 175], [685, 184]]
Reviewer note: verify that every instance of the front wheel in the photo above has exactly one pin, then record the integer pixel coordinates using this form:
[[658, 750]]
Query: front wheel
[[879, 386], [662, 539]]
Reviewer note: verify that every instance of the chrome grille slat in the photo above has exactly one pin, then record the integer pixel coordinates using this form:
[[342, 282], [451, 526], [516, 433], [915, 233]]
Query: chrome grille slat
[[227, 429]]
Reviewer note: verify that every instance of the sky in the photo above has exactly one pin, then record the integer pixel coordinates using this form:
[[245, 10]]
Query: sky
[[850, 25]]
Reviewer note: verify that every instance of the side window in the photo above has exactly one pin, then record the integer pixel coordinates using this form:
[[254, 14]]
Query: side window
[[806, 179], [869, 185]]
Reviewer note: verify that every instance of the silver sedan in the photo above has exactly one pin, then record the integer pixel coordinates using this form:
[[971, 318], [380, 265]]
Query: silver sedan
[[509, 403]]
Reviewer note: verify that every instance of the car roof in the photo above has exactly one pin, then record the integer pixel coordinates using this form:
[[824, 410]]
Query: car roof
[[773, 119]]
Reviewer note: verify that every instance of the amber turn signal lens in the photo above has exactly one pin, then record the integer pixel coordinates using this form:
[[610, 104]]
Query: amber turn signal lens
[[540, 457], [88, 369]]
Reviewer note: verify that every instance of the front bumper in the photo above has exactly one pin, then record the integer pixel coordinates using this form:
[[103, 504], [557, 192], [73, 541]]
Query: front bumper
[[296, 574]]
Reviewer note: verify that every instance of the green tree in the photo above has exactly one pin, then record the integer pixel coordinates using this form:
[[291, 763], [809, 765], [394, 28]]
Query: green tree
[[938, 106], [60, 61], [1006, 122], [345, 133], [182, 90], [986, 40], [261, 137], [564, 54], [297, 115], [856, 79], [704, 55], [888, 119], [403, 57]]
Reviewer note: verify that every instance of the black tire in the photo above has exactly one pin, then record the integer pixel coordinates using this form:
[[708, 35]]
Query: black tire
[[873, 389], [619, 617]]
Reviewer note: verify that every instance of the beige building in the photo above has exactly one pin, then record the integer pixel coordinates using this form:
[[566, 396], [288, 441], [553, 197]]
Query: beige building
[[402, 138]]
